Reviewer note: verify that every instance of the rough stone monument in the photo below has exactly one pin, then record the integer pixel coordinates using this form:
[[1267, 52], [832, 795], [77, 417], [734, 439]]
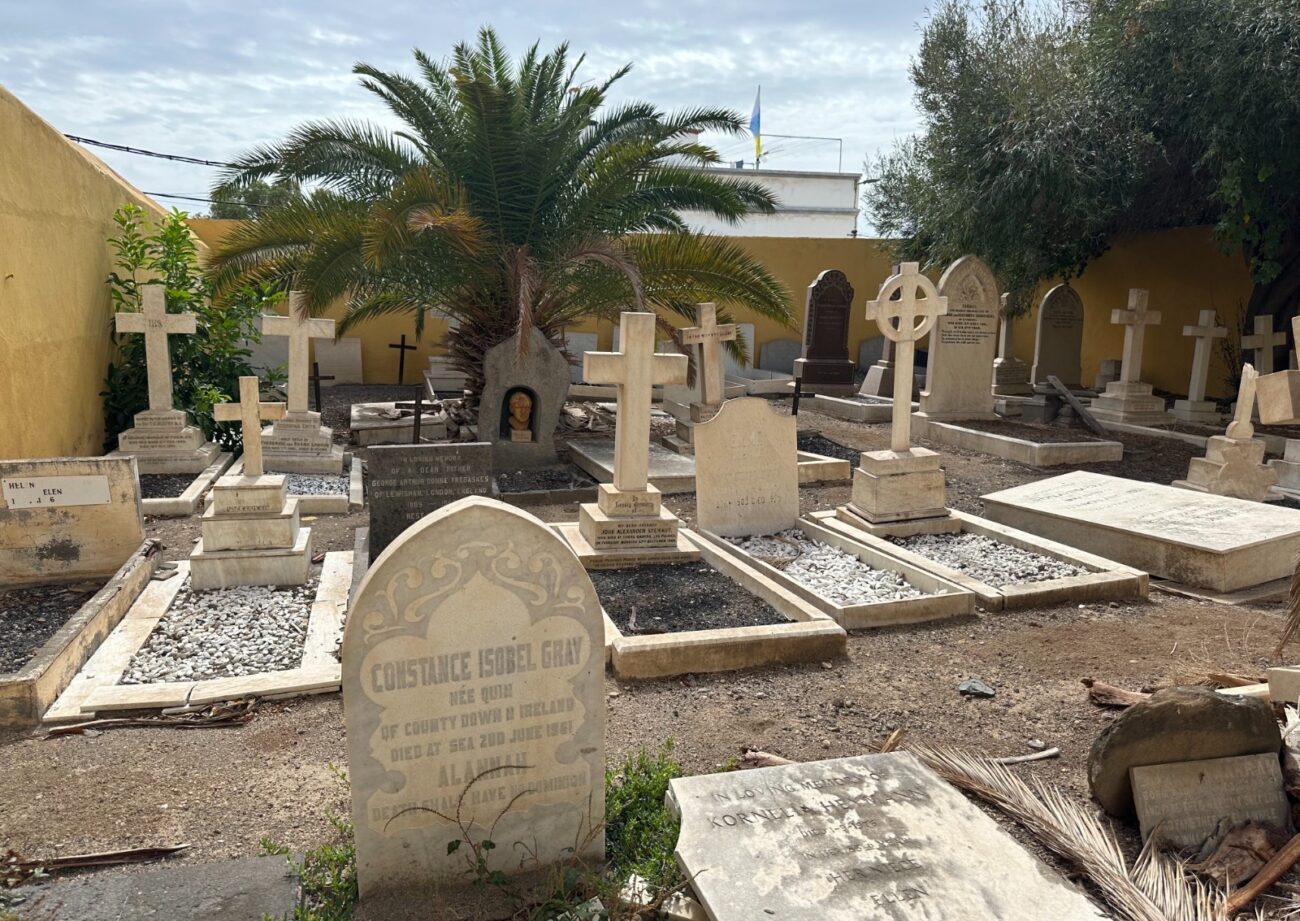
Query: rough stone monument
[[297, 442], [1010, 374], [523, 396], [1196, 408], [404, 483], [746, 470], [1233, 464], [824, 365], [959, 374], [473, 653], [1129, 399], [161, 439]]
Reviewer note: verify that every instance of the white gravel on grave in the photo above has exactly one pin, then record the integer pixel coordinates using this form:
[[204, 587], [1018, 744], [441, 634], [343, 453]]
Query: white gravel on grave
[[990, 561], [311, 484], [835, 575], [225, 632]]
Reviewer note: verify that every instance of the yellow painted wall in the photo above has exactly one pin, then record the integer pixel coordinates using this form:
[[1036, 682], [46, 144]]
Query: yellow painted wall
[[56, 208]]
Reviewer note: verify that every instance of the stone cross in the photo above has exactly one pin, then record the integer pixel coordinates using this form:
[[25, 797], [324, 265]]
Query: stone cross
[[1205, 335], [157, 324], [907, 309], [300, 329], [250, 413], [1263, 342], [636, 369], [1135, 319], [709, 336], [1004, 332], [1240, 427], [402, 349]]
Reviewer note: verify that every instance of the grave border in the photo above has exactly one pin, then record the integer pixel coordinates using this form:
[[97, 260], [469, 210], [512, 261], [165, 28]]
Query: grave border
[[329, 503], [94, 689], [187, 503], [852, 410], [1020, 450], [26, 693], [1109, 581], [810, 636]]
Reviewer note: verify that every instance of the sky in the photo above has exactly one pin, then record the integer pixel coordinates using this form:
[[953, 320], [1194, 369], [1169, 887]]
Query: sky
[[212, 79]]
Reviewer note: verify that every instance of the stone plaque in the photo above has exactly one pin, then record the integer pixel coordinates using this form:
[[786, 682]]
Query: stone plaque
[[406, 482], [474, 650], [1058, 341], [1183, 803], [67, 518], [1201, 539], [824, 364], [963, 344], [746, 470], [871, 838]]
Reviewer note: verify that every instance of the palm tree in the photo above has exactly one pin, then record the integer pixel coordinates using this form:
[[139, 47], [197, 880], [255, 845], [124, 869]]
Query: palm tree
[[512, 197]]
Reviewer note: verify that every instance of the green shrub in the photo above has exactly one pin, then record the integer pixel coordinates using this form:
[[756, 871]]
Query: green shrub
[[640, 833]]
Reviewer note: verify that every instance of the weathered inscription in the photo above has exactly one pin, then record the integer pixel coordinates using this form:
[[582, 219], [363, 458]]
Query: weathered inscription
[[407, 482]]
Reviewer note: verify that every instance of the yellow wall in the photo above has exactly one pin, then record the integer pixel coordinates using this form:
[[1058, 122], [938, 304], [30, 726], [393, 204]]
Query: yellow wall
[[56, 208]]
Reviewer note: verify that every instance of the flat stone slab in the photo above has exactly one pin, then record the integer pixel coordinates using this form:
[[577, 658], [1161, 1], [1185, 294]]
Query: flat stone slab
[[1201, 539], [871, 838], [247, 889], [1182, 804]]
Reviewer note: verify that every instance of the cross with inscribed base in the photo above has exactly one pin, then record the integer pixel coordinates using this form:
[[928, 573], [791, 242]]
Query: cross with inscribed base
[[249, 413], [636, 369], [1136, 320], [898, 300], [157, 324], [1205, 335], [300, 329], [1263, 342], [709, 336]]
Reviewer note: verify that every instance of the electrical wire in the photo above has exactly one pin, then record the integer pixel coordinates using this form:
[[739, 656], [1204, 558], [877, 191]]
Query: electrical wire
[[209, 201], [147, 153]]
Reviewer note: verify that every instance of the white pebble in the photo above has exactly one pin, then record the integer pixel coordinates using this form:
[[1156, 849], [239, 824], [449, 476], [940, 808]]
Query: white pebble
[[835, 575]]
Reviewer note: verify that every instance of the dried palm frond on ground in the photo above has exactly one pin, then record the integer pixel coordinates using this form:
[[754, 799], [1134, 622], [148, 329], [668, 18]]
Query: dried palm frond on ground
[[1292, 613]]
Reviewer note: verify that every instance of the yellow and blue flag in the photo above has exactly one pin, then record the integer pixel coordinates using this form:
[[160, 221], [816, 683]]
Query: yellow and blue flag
[[755, 126]]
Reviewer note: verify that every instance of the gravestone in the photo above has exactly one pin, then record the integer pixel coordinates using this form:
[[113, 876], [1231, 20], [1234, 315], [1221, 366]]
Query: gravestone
[[1264, 343], [1130, 399], [963, 343], [1010, 374], [67, 518], [779, 355], [577, 345], [1184, 802], [1058, 339], [870, 838], [734, 369], [706, 342], [1196, 408], [1201, 539], [1233, 464], [542, 377], [746, 470], [404, 483], [823, 365], [474, 649], [296, 441]]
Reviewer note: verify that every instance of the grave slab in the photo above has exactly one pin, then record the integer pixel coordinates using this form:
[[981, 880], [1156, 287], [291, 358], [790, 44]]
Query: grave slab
[[1020, 450], [1201, 539], [1183, 803], [407, 482], [871, 838]]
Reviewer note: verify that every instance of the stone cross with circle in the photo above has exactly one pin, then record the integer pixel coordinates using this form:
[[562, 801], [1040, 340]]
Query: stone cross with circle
[[903, 318]]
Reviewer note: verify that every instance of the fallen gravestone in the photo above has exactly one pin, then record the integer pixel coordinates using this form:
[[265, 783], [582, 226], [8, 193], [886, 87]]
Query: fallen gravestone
[[407, 482], [871, 838], [1184, 803], [473, 690], [746, 470]]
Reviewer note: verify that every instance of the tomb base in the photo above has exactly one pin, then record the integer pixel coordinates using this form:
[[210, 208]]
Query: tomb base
[[251, 536], [211, 569], [258, 531], [898, 486], [164, 442], [1130, 402], [1197, 411], [1011, 378], [298, 443], [831, 377], [605, 532], [627, 527], [1231, 467], [1288, 466]]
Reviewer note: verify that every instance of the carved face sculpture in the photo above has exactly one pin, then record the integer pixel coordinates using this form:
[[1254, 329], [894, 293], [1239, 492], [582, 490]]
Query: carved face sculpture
[[521, 410]]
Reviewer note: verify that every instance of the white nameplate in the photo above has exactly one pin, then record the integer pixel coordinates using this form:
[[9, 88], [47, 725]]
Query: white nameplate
[[51, 491]]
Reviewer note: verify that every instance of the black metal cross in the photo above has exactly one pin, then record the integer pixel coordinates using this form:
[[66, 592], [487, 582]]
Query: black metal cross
[[403, 348], [315, 378]]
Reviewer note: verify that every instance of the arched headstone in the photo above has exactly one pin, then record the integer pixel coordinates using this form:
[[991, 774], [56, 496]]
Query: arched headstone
[[1058, 342], [963, 343]]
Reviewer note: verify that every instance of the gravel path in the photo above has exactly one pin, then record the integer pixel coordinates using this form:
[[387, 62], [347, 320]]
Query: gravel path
[[30, 616], [838, 576], [229, 631], [988, 560], [310, 484]]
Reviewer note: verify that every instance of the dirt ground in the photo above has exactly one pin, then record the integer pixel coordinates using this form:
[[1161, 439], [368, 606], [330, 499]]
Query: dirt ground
[[223, 790]]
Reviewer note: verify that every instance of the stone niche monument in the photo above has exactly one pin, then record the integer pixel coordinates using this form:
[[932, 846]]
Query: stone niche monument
[[824, 365], [523, 396], [161, 439], [959, 373], [404, 483], [297, 442], [857, 839], [474, 650], [1130, 399], [746, 470]]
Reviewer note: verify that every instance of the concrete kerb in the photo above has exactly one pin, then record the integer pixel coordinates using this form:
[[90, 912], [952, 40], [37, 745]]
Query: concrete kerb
[[1106, 581], [810, 636], [187, 503], [25, 694], [943, 598], [863, 409], [1020, 450], [95, 688], [334, 504]]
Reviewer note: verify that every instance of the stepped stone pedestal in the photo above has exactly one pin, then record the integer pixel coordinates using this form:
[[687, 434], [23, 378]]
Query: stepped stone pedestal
[[298, 443], [251, 536], [1231, 467], [898, 486], [1197, 411], [1131, 402], [625, 527], [163, 441], [1011, 378]]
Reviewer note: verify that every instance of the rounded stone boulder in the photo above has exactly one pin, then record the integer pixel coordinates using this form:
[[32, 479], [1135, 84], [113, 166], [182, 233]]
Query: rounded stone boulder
[[1176, 724]]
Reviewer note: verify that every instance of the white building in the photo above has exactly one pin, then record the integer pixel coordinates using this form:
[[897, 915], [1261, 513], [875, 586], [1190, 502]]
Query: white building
[[808, 205]]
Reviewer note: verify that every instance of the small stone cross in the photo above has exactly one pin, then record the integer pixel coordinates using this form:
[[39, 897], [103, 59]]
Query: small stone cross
[[300, 329], [1205, 335], [636, 369], [402, 349], [709, 336], [157, 324], [898, 301], [1263, 342], [1135, 319], [249, 412]]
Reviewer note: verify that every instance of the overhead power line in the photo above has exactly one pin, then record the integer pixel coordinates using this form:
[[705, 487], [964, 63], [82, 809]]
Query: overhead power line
[[147, 153], [209, 201]]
